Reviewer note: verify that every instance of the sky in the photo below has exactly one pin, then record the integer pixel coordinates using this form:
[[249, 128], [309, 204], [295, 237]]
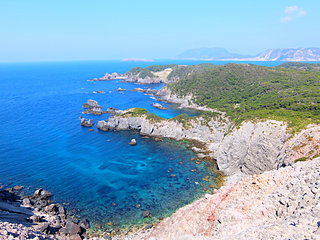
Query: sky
[[61, 30]]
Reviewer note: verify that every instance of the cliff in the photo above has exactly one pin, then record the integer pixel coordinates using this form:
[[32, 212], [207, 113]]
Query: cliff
[[251, 148]]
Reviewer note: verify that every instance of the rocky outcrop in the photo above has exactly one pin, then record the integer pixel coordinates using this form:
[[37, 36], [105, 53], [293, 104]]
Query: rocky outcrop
[[252, 148], [158, 105], [86, 122], [103, 126], [109, 76], [278, 204], [92, 107], [36, 216], [141, 77]]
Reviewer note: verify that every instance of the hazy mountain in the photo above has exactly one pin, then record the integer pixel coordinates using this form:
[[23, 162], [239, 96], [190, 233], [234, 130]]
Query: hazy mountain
[[290, 54], [208, 54], [285, 54]]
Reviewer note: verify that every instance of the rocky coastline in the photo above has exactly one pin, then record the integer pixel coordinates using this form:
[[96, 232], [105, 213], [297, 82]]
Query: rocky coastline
[[258, 157], [37, 217], [138, 77], [252, 148]]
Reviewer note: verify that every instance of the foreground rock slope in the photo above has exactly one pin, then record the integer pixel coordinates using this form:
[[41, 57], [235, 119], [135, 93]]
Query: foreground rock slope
[[277, 204]]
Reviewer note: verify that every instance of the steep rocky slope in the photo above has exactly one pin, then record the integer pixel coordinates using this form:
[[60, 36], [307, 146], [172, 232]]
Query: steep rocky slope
[[278, 204]]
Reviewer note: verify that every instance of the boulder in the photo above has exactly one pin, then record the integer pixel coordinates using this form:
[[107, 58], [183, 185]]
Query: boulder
[[133, 142], [84, 224], [121, 89], [71, 228], [26, 202], [42, 227], [45, 194]]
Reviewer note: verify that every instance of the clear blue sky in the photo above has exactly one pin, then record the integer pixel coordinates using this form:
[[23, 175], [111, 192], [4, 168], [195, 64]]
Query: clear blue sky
[[42, 30]]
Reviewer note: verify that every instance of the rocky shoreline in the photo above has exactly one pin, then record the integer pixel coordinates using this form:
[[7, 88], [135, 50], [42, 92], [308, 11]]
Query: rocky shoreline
[[37, 217]]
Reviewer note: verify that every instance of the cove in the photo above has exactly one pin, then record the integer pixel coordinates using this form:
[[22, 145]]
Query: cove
[[97, 174]]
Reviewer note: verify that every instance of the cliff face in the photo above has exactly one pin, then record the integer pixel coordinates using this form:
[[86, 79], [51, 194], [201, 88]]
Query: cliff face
[[252, 148]]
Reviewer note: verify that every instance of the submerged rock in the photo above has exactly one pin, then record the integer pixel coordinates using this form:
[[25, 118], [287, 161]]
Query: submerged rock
[[146, 214], [17, 188]]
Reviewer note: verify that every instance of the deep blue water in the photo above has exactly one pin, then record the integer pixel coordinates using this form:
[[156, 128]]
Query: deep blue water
[[43, 145]]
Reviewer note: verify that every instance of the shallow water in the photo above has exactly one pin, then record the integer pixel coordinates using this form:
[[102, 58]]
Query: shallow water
[[97, 173]]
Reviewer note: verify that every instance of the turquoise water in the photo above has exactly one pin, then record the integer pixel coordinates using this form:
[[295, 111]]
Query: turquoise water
[[96, 173]]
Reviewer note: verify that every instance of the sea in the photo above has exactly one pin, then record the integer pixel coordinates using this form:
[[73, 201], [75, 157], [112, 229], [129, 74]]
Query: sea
[[95, 175]]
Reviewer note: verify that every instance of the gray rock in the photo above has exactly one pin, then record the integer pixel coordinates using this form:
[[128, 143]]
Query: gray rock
[[42, 227], [84, 224], [103, 126], [72, 228], [146, 214]]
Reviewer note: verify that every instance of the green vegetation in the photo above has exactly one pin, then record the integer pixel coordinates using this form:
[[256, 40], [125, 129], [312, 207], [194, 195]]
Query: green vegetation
[[178, 71], [141, 72], [301, 66], [139, 112], [246, 91], [301, 159]]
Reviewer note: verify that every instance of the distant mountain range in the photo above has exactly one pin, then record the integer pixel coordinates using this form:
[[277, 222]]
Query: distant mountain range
[[284, 54]]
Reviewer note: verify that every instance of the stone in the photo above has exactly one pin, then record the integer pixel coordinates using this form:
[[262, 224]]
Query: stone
[[61, 209], [52, 208], [35, 219], [149, 226], [72, 228], [133, 142], [146, 214], [138, 205], [26, 202], [120, 89], [42, 227], [17, 188], [84, 223], [37, 193], [75, 237]]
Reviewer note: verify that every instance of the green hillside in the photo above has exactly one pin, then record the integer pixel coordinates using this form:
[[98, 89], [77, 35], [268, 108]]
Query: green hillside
[[246, 91]]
